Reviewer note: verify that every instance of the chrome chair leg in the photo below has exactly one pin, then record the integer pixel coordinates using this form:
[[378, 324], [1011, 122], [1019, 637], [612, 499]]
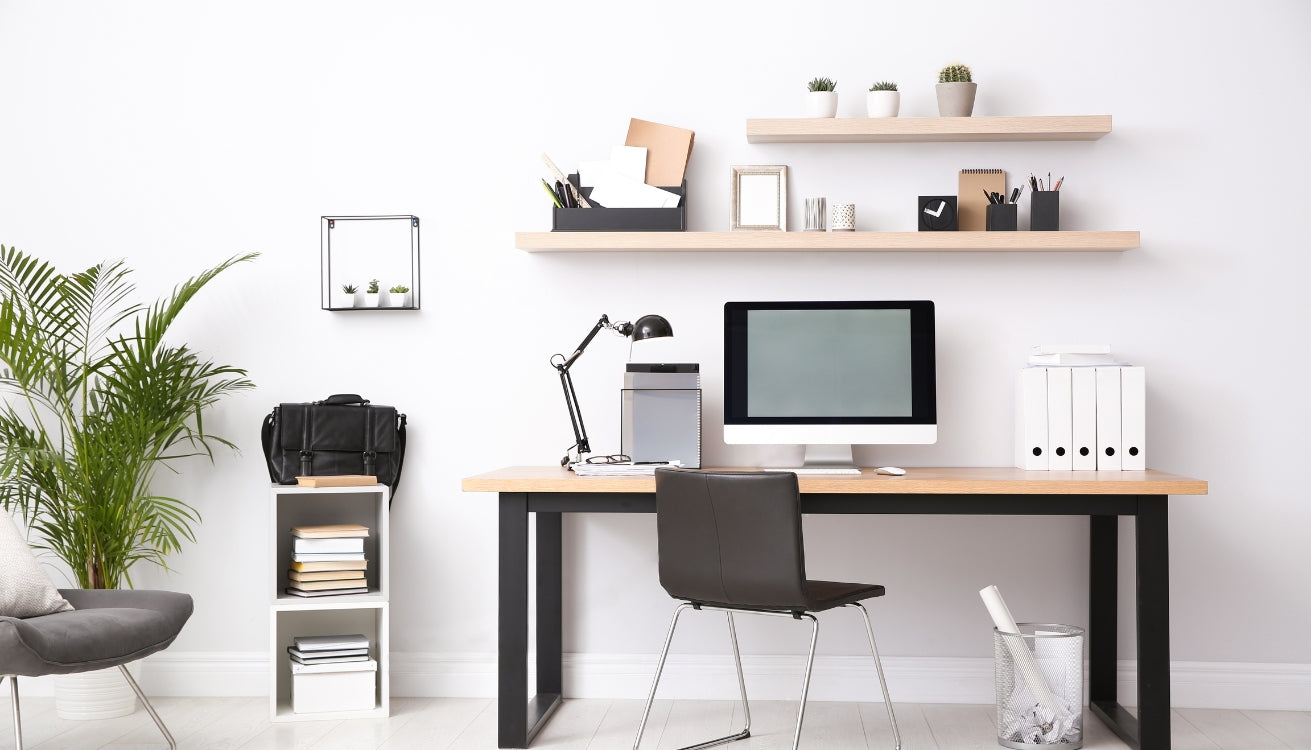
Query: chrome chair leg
[[149, 708], [660, 666], [13, 697], [878, 667], [741, 680], [805, 682]]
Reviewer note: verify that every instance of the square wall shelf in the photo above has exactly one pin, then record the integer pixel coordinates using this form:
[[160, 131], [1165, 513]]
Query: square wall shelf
[[357, 249]]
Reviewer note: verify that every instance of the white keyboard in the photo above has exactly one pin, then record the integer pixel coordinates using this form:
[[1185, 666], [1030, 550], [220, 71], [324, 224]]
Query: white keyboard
[[801, 471]]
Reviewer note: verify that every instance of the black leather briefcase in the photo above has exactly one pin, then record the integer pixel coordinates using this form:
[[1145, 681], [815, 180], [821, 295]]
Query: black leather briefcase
[[342, 434]]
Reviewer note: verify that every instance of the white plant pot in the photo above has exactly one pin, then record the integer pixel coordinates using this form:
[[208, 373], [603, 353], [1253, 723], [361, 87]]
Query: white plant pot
[[395, 299], [956, 99], [882, 103], [342, 299], [100, 694], [821, 103], [371, 300]]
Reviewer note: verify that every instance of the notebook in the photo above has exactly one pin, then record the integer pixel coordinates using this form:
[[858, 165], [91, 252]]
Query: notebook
[[971, 201]]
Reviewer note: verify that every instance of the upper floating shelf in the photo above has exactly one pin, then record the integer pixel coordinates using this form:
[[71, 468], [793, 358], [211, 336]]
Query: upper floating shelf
[[927, 129], [1113, 241]]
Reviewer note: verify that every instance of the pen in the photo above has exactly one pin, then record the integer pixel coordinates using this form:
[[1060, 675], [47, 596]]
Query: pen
[[551, 193], [1015, 194], [988, 195], [1049, 180]]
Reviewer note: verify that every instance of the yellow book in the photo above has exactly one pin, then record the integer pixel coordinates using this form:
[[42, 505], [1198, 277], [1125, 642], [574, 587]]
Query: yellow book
[[337, 480], [330, 531], [325, 575], [309, 567]]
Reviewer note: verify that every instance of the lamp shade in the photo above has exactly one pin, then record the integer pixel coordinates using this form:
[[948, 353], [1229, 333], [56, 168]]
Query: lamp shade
[[651, 327]]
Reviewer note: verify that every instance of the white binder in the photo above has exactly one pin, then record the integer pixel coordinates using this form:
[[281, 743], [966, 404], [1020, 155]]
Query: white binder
[[1108, 419], [1083, 419], [1060, 430], [1031, 419], [1133, 417]]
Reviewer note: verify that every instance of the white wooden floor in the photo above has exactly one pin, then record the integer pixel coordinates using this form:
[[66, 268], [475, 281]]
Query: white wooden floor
[[470, 724]]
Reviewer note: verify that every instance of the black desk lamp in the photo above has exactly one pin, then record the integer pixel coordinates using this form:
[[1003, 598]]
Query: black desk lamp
[[646, 327]]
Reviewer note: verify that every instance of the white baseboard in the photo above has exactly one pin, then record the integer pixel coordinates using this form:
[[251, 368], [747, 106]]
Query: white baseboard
[[1237, 685]]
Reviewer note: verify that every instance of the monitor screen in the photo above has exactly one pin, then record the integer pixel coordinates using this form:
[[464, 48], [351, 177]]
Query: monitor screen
[[816, 372]]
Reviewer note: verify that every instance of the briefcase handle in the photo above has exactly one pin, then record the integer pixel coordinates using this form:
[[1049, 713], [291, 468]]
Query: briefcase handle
[[338, 399]]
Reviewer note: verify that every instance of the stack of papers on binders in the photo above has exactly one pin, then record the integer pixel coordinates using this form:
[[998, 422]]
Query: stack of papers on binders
[[1072, 355], [584, 469]]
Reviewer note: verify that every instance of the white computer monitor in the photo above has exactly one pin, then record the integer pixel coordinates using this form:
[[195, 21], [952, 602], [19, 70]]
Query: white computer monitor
[[829, 375]]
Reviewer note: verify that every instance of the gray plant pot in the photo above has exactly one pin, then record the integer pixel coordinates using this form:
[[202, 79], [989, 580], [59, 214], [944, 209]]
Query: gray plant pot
[[956, 99]]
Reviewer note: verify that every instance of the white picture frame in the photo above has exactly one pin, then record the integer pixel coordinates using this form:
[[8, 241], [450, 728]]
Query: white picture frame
[[759, 198]]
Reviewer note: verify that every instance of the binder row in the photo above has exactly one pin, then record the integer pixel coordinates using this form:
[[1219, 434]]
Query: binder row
[[1081, 418]]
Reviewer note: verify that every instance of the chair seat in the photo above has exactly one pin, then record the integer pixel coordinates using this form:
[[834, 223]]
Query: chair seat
[[106, 628], [822, 595]]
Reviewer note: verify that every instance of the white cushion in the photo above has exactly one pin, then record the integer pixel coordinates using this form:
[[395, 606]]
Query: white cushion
[[25, 589]]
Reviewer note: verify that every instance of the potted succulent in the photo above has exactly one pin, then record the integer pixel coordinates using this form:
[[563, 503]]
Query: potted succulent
[[371, 294], [883, 100], [822, 98], [347, 298], [396, 295], [99, 398], [956, 89]]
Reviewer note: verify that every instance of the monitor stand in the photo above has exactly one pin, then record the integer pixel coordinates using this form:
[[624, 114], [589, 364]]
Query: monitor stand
[[828, 458]]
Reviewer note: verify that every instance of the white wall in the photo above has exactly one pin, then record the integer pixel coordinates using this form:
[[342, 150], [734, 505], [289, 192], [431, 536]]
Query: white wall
[[177, 134]]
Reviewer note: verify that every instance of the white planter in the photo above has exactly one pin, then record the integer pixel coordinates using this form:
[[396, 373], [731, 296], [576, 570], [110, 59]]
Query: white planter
[[956, 99], [396, 299], [882, 103], [101, 694], [370, 300], [342, 299], [821, 103]]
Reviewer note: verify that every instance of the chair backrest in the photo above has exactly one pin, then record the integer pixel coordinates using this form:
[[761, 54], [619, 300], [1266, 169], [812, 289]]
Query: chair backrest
[[731, 538]]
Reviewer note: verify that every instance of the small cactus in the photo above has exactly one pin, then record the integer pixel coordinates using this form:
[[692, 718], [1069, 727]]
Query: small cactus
[[373, 287], [884, 86], [349, 288], [399, 289], [822, 84], [955, 73]]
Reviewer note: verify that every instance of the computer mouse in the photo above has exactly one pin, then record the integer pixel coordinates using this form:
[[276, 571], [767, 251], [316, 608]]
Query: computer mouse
[[890, 470]]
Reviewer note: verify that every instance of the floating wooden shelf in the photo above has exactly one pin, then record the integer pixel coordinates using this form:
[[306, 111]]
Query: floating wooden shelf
[[927, 129], [586, 242]]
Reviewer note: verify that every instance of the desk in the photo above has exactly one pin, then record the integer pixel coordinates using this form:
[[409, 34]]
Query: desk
[[1102, 496]]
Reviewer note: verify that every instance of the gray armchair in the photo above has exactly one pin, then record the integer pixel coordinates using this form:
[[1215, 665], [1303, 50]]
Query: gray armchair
[[106, 628]]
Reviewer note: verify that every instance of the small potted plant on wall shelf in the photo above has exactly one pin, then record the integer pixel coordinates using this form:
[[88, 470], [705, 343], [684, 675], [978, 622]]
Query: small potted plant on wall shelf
[[396, 295], [956, 89], [822, 98], [371, 294], [883, 100], [347, 298]]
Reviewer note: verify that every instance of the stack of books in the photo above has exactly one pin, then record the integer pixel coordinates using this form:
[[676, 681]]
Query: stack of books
[[329, 649], [328, 560]]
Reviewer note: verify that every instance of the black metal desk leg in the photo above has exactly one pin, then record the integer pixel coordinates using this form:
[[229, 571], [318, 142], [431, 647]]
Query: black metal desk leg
[[550, 610], [1103, 604], [512, 623], [1153, 599]]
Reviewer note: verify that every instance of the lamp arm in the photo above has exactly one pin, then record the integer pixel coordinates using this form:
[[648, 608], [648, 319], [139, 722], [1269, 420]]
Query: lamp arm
[[575, 416], [604, 322]]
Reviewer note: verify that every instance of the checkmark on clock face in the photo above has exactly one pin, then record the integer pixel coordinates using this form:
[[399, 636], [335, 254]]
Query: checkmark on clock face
[[936, 214]]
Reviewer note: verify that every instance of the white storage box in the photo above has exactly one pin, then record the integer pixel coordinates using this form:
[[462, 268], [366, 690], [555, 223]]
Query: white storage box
[[349, 686]]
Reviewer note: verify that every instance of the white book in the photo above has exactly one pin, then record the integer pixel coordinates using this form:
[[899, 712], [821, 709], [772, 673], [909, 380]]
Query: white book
[[371, 665], [1083, 413], [1031, 419], [1060, 430], [330, 642], [327, 654], [1072, 360], [351, 544], [1133, 418], [326, 556]]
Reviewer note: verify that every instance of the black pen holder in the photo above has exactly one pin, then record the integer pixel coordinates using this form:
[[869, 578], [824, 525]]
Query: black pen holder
[[1002, 217], [601, 219], [1045, 211]]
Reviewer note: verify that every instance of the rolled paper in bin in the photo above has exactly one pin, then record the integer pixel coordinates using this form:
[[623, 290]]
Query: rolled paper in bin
[[1060, 717]]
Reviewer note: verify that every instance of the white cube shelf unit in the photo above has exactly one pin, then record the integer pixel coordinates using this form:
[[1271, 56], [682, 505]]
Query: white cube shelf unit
[[291, 616]]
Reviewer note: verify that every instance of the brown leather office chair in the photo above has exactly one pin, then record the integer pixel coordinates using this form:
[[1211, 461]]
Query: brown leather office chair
[[731, 541]]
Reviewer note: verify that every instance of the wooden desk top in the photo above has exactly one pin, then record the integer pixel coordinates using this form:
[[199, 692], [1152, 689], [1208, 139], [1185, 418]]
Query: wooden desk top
[[925, 481]]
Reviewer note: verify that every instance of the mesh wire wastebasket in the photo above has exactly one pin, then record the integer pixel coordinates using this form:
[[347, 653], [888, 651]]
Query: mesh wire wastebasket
[[1039, 678]]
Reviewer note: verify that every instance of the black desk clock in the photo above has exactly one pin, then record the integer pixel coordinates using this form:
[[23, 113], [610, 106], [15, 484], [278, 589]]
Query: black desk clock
[[937, 213]]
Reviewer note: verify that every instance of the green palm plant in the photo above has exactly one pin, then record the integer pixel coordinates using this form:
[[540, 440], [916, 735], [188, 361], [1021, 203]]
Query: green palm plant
[[93, 402]]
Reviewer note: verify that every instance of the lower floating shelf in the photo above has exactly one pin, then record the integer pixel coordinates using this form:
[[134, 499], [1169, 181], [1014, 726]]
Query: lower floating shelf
[[584, 242]]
